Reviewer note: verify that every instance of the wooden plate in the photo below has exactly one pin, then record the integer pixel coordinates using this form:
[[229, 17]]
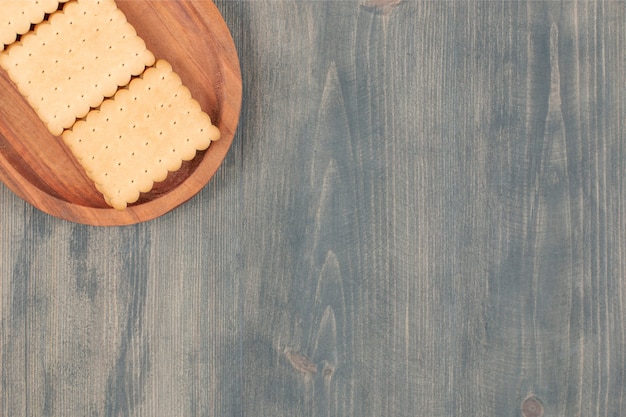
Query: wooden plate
[[37, 166]]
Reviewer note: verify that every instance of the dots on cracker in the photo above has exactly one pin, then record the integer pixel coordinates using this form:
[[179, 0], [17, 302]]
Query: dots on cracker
[[138, 136], [75, 59], [17, 16]]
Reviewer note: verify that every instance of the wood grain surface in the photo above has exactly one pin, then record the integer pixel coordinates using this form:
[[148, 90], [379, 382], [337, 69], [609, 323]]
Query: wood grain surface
[[422, 214]]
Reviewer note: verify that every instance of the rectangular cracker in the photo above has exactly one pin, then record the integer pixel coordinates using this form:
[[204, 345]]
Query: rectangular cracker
[[75, 59], [16, 17], [140, 134]]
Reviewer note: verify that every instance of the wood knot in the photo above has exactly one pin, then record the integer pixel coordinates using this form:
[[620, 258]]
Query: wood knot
[[300, 362], [381, 7], [531, 407], [328, 370]]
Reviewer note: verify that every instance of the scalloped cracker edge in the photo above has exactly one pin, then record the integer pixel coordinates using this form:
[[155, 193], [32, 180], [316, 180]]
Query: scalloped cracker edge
[[18, 15]]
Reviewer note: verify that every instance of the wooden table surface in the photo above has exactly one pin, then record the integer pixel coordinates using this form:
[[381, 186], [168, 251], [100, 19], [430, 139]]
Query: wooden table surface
[[423, 213]]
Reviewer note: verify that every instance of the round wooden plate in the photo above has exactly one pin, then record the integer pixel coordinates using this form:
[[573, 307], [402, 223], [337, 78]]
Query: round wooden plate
[[37, 166]]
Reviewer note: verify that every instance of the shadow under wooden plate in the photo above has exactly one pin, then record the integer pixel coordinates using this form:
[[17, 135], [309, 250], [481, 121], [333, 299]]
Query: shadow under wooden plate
[[39, 168]]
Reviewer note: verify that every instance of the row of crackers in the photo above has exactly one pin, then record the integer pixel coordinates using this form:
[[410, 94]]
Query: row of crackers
[[126, 117]]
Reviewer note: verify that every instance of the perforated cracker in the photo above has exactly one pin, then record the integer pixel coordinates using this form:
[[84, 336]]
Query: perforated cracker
[[16, 17], [71, 62], [134, 139]]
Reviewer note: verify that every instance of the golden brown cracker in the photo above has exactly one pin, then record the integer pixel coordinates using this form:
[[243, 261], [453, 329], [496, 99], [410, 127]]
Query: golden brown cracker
[[143, 132]]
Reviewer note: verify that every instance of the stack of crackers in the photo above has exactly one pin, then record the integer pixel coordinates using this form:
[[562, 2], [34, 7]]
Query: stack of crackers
[[125, 116]]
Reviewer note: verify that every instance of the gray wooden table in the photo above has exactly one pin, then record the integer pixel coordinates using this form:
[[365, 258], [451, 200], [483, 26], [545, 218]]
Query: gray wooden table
[[423, 214]]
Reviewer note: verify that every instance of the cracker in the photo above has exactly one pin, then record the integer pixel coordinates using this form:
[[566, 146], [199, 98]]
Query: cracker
[[138, 136], [71, 62], [16, 17]]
